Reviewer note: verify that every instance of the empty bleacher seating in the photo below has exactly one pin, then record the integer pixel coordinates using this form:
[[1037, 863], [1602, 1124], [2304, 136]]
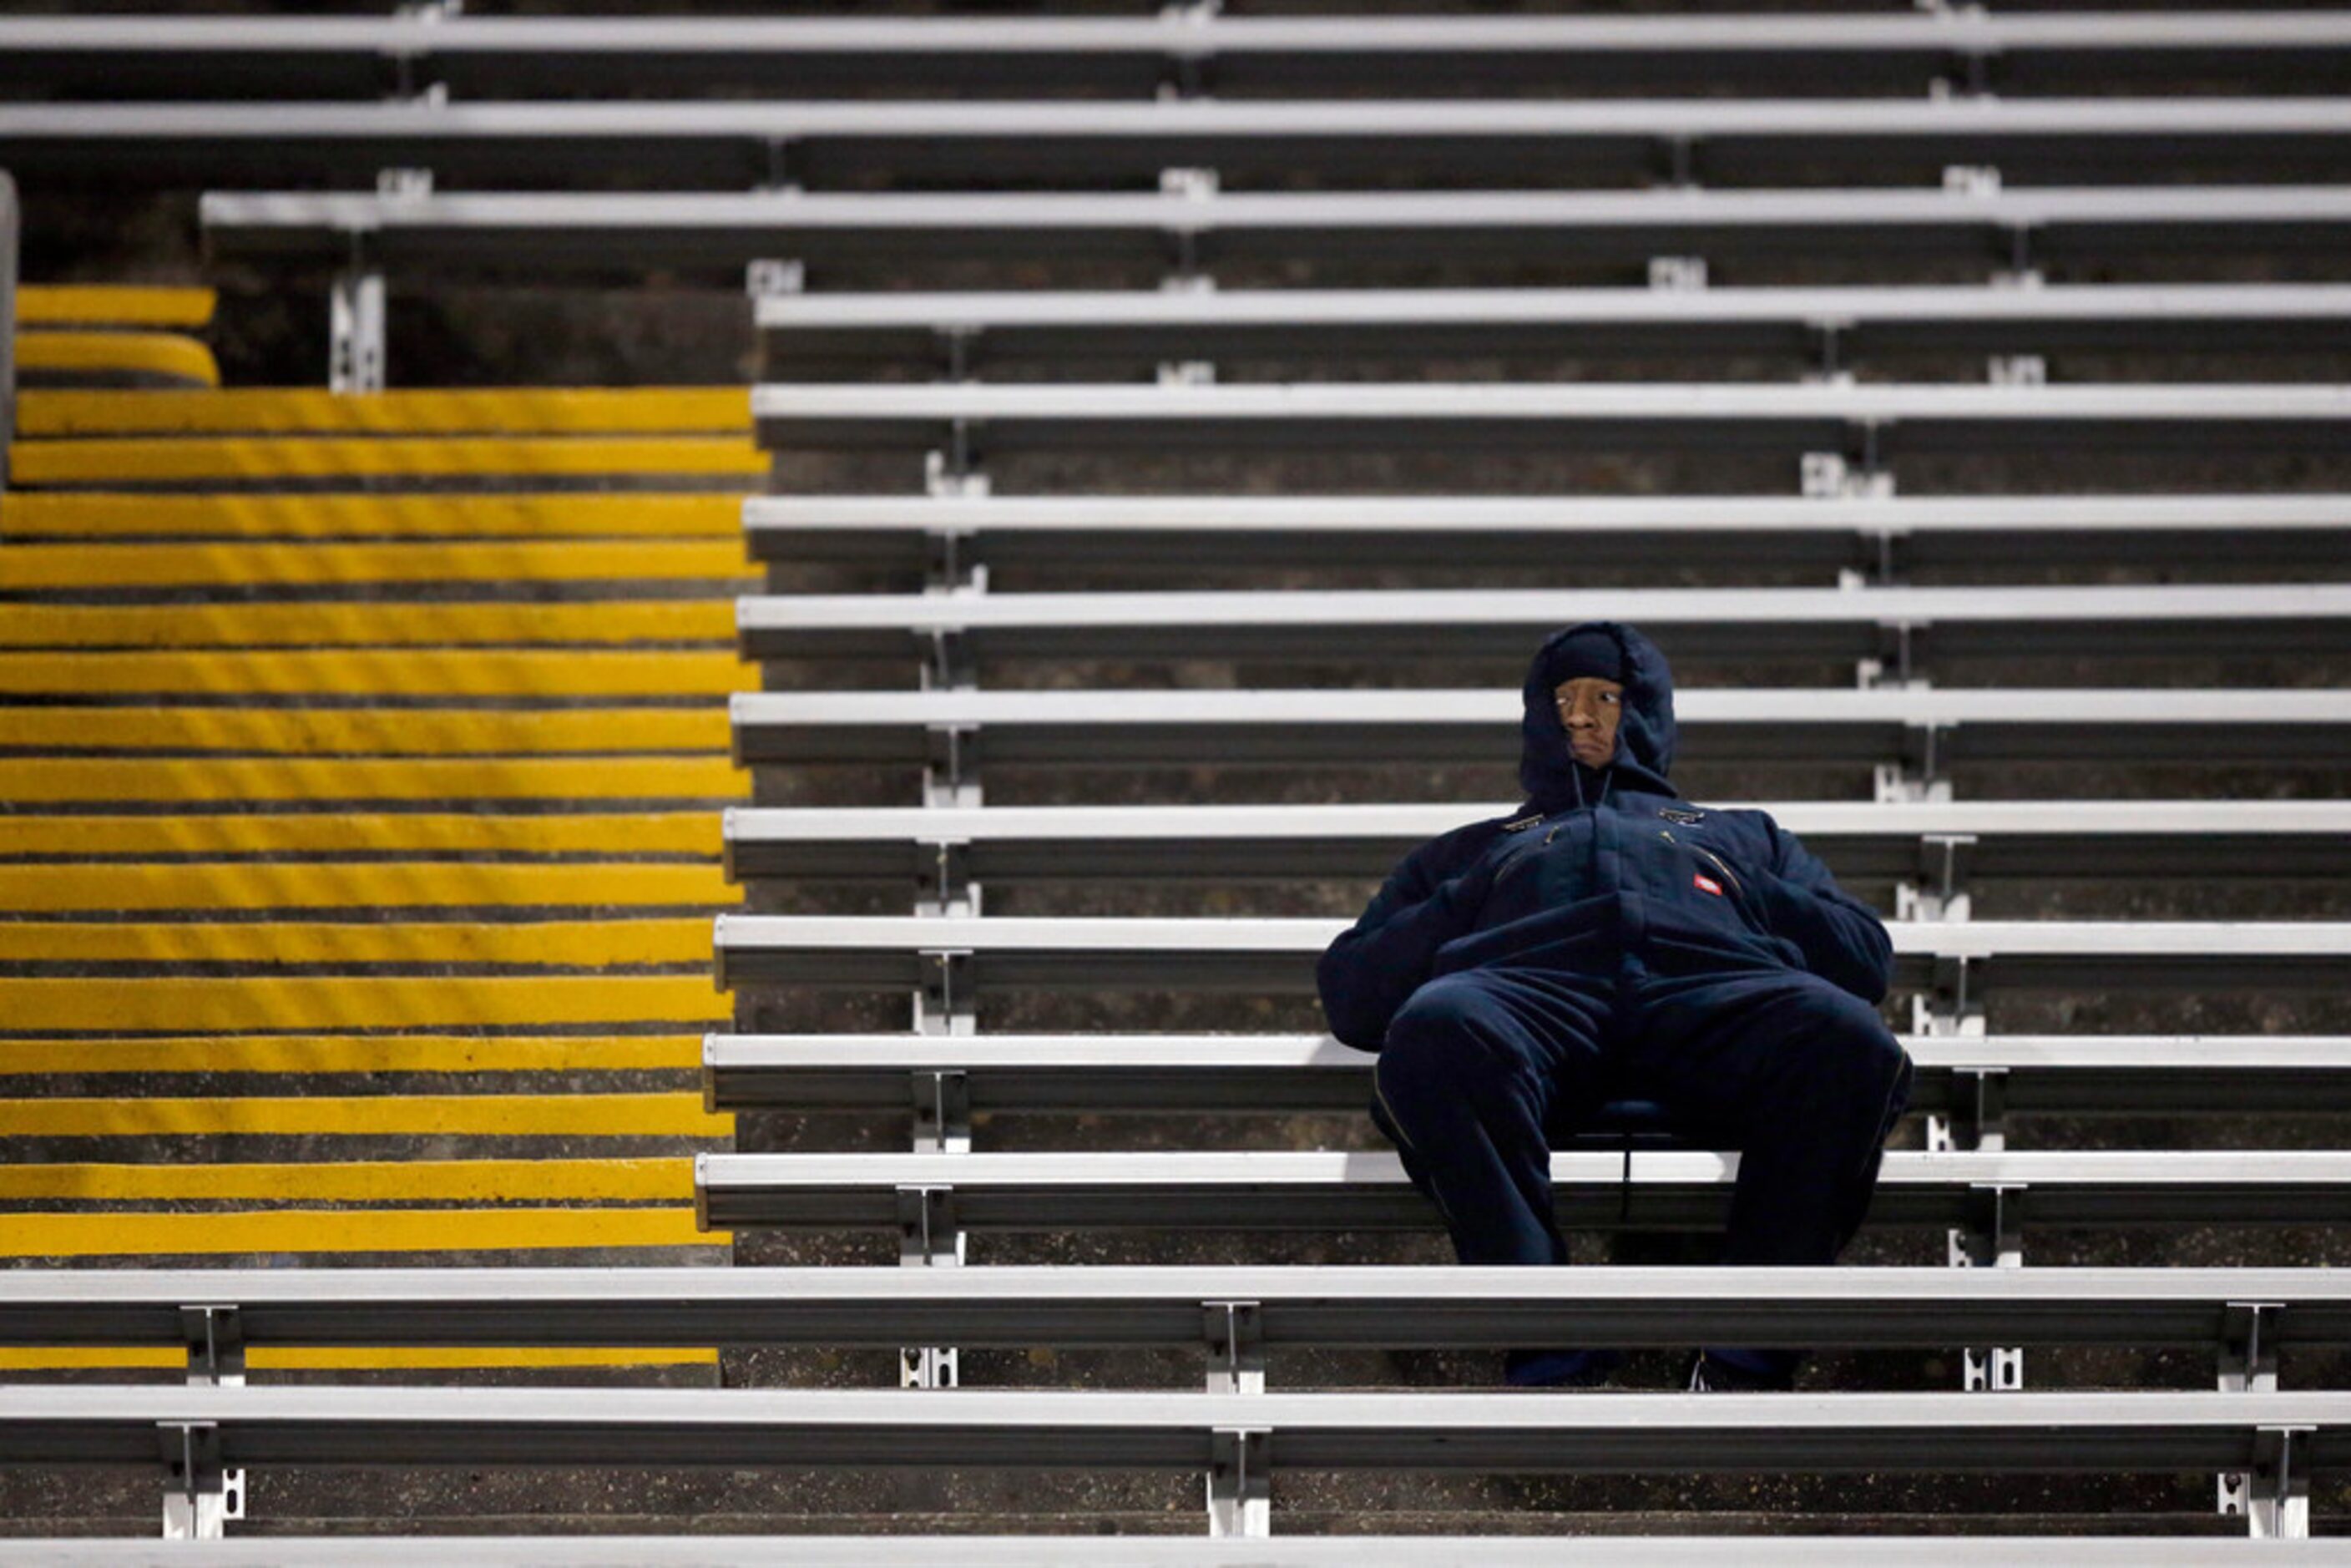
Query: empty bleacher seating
[[1176, 430]]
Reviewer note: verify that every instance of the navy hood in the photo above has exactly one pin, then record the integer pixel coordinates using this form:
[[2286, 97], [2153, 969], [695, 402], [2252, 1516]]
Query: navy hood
[[1645, 734]]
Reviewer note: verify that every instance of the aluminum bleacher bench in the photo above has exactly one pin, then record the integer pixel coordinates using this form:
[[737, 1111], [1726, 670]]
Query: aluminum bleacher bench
[[1901, 625], [1834, 325], [824, 142], [1930, 730], [360, 57], [1890, 419], [2072, 1075], [1861, 841], [550, 234], [1950, 965], [1167, 1552], [1237, 1439], [234, 1313], [948, 536]]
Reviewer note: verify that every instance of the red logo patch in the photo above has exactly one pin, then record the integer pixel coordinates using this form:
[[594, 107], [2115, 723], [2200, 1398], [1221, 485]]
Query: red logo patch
[[1706, 883]]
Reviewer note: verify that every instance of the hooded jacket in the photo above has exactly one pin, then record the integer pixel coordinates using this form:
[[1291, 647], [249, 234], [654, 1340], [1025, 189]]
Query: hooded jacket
[[1612, 853]]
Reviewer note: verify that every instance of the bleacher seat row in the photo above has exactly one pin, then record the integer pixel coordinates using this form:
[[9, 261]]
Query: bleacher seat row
[[364, 764]]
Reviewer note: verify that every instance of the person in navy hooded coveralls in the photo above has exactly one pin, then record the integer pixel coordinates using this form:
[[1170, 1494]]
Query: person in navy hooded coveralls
[[1609, 941]]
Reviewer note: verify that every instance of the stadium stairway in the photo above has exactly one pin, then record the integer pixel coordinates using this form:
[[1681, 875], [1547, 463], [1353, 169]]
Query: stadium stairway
[[363, 759]]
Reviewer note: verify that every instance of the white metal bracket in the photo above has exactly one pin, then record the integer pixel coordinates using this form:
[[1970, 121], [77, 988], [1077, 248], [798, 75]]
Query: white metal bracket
[[942, 1105], [1235, 1335], [1993, 1239], [1940, 889], [946, 1003], [202, 1497], [355, 328], [2249, 1365], [1240, 1484], [1980, 1120], [1677, 272], [2279, 1507], [928, 1237]]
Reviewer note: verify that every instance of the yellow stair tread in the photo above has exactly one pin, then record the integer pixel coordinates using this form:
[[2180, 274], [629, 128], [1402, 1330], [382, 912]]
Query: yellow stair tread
[[175, 1005], [240, 832], [333, 1053], [165, 355], [418, 410], [348, 1232], [367, 1116], [237, 833], [646, 1180], [112, 305], [254, 781], [564, 944], [26, 567], [50, 888], [352, 1053], [105, 513], [373, 672], [229, 459], [352, 1358], [362, 732]]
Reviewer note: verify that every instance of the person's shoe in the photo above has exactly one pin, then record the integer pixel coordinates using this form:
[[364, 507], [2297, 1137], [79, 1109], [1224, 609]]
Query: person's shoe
[[1742, 1371], [1559, 1368]]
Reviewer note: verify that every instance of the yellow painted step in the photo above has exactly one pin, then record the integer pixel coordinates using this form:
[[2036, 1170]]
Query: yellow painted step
[[239, 833], [102, 513], [668, 1179], [111, 305], [229, 459], [162, 355], [568, 944], [329, 1053], [350, 1358], [51, 889], [348, 1232], [424, 410], [376, 1115], [388, 732], [25, 568], [369, 672], [179, 1005], [252, 780]]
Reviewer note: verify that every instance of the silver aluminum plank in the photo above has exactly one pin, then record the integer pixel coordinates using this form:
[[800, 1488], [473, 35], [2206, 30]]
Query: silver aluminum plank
[[2037, 839], [1635, 1189], [1181, 533], [1183, 35], [1299, 1305], [823, 328], [1278, 955], [2004, 620], [761, 1429], [1015, 416], [1307, 727], [1151, 1551], [571, 232], [1283, 1074]]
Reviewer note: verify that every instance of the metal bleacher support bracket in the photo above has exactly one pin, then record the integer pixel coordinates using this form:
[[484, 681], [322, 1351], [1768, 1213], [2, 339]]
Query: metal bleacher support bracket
[[2249, 1365], [928, 1237], [1994, 1239], [1240, 1482], [1183, 269], [1941, 890], [1234, 1332], [2280, 1505], [1918, 775], [201, 1496]]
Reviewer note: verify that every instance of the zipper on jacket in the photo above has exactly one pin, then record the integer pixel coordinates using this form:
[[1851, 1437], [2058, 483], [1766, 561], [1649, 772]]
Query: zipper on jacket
[[1729, 875]]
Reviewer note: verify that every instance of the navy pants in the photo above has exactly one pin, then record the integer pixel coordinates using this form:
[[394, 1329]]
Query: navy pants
[[1483, 1070]]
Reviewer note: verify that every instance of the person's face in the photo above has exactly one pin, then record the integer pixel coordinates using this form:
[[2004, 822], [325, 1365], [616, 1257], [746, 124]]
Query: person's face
[[1589, 708]]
